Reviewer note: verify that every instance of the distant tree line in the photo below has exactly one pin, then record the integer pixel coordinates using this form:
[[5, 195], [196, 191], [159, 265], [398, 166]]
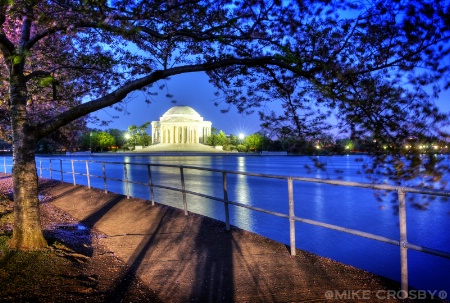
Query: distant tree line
[[325, 144], [114, 139], [81, 138], [95, 140]]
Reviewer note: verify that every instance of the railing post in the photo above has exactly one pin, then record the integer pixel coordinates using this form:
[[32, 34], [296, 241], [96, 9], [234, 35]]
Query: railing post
[[225, 198], [150, 184], [104, 176], [73, 174], [291, 215], [127, 184], [87, 175], [4, 164], [183, 190], [403, 241], [40, 168], [51, 169], [60, 167]]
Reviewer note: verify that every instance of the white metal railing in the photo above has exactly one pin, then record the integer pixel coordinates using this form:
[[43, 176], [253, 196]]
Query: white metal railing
[[401, 194]]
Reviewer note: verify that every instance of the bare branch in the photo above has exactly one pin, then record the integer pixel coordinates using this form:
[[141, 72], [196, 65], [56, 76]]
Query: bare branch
[[119, 94], [6, 46], [36, 74]]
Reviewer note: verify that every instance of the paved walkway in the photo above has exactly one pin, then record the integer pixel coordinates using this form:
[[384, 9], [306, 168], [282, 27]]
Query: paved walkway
[[192, 259]]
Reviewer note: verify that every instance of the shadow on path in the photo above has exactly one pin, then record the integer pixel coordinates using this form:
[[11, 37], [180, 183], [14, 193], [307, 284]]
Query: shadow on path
[[213, 272], [95, 217], [135, 261]]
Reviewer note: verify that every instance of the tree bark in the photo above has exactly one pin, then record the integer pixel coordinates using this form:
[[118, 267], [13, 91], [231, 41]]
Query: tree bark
[[27, 232]]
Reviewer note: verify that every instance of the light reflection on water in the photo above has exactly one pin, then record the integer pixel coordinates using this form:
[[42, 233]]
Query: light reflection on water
[[242, 193], [349, 207]]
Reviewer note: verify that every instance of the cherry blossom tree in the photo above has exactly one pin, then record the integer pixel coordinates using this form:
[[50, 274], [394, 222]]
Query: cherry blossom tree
[[368, 62]]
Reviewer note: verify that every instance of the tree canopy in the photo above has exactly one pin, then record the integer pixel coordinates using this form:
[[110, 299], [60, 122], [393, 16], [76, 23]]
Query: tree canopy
[[375, 65], [254, 141], [217, 138], [137, 135]]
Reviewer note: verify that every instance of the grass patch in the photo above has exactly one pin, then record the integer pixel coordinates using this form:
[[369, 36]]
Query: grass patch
[[29, 276]]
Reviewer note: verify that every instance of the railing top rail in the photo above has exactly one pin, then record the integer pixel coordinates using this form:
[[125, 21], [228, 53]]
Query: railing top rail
[[301, 179]]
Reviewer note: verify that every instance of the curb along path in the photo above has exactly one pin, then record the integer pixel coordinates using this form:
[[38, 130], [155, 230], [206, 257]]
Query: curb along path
[[193, 259]]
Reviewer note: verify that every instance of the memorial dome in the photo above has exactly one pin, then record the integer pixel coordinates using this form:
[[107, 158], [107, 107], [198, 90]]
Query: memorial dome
[[181, 113]]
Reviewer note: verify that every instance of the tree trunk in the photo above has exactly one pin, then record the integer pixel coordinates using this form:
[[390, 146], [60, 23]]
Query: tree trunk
[[27, 232]]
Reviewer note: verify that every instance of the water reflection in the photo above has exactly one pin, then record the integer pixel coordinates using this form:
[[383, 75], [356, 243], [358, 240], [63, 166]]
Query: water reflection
[[319, 202], [241, 163], [243, 217]]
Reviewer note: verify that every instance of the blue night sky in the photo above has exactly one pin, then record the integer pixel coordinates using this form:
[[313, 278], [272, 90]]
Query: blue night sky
[[194, 90], [191, 89]]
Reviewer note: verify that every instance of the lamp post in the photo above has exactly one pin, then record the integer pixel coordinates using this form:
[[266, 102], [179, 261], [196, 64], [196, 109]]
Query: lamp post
[[90, 142], [127, 137], [241, 138]]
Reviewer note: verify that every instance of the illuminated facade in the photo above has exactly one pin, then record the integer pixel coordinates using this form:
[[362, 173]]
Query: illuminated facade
[[180, 125]]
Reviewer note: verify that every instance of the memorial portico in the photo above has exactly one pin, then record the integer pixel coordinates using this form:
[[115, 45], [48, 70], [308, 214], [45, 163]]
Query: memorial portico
[[180, 124]]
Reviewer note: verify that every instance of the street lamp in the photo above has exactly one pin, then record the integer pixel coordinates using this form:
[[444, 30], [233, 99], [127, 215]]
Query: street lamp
[[127, 137]]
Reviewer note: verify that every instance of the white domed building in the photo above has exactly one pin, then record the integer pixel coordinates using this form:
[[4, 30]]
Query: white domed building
[[180, 125]]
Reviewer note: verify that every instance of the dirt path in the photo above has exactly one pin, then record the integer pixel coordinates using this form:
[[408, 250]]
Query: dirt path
[[192, 259]]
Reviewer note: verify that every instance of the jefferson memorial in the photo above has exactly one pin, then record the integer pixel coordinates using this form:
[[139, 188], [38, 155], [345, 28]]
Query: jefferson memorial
[[180, 125], [180, 129]]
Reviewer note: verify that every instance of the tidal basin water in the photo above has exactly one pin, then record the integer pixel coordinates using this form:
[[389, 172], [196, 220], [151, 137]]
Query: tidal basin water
[[349, 207]]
